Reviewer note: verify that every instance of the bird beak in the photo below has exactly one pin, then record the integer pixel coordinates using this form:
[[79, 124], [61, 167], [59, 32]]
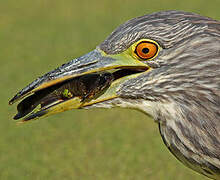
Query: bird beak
[[89, 79]]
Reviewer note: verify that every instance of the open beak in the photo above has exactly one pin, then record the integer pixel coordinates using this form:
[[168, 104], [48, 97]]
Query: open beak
[[89, 79]]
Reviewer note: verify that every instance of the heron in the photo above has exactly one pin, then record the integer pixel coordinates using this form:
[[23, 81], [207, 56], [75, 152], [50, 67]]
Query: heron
[[165, 64]]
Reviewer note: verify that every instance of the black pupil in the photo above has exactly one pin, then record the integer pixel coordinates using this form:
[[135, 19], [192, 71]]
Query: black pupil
[[145, 50]]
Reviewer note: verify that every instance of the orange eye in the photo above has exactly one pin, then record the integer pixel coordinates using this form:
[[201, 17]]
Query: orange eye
[[146, 50]]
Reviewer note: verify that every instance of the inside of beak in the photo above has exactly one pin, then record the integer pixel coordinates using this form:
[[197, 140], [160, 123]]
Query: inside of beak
[[83, 89]]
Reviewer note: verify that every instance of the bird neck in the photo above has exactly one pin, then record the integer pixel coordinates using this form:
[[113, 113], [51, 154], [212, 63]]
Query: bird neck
[[190, 133]]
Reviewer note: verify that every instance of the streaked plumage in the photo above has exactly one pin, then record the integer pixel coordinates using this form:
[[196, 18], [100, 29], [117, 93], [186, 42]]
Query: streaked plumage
[[182, 89]]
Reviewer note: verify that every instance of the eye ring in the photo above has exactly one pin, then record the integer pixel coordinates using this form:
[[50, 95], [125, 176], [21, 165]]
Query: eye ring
[[146, 50]]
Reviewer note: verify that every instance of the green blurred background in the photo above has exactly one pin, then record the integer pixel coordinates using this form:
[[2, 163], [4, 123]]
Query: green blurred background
[[37, 36]]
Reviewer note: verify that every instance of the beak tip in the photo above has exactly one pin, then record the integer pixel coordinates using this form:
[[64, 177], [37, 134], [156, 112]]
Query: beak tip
[[17, 116], [12, 100]]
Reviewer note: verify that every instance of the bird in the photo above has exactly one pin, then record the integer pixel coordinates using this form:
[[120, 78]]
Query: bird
[[165, 64]]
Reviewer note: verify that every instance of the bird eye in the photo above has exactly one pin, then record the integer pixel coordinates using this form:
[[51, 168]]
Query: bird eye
[[146, 50]]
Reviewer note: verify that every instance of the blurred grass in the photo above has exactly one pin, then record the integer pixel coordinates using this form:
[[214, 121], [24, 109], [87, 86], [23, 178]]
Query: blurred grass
[[37, 36]]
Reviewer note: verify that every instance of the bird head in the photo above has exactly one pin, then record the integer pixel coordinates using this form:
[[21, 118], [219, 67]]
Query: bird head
[[165, 64], [165, 57]]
